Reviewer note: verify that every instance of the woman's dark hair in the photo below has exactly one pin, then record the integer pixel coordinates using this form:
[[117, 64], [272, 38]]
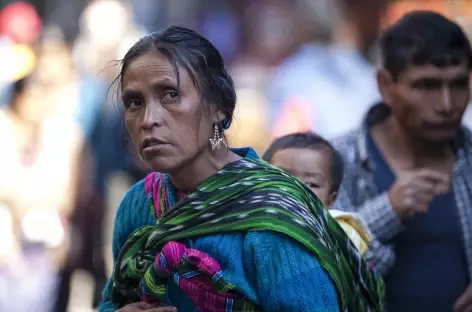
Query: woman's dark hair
[[186, 49], [312, 141], [423, 37]]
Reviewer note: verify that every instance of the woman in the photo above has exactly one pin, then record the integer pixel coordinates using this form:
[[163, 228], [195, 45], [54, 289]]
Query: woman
[[212, 228]]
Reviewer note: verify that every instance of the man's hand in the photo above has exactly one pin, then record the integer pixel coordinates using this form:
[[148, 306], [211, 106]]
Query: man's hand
[[144, 306], [464, 303], [413, 191]]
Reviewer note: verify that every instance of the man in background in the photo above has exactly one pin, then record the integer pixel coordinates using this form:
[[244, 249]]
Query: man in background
[[409, 167]]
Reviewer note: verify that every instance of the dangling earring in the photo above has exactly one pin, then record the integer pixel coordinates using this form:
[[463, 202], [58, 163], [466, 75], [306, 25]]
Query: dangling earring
[[216, 141]]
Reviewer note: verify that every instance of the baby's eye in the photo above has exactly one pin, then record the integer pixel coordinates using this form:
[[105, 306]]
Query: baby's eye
[[312, 185]]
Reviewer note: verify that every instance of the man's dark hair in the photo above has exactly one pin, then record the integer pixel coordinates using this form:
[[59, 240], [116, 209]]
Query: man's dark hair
[[423, 37], [312, 141]]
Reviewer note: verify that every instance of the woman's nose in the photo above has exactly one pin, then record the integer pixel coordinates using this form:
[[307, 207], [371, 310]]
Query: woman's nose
[[152, 116]]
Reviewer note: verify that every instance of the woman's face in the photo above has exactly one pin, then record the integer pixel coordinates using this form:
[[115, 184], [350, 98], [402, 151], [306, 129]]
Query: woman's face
[[166, 122]]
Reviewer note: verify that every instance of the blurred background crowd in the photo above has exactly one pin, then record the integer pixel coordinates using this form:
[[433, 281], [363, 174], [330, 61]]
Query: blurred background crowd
[[65, 161]]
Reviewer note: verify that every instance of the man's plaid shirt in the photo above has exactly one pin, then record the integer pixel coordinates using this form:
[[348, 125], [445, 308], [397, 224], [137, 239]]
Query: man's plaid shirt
[[358, 192]]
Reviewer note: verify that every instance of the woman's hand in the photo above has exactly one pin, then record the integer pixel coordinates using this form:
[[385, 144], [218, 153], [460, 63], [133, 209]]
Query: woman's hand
[[144, 306]]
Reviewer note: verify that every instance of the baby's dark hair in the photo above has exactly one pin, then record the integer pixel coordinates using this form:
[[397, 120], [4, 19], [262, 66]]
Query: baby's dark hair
[[312, 141]]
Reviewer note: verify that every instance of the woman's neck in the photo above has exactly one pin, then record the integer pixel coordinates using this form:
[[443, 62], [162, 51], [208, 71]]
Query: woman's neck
[[201, 168]]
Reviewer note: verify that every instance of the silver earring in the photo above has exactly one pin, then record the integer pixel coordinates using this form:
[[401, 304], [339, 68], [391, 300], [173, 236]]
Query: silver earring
[[216, 140]]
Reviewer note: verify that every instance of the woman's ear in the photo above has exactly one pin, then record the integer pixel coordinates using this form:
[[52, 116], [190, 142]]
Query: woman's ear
[[219, 117]]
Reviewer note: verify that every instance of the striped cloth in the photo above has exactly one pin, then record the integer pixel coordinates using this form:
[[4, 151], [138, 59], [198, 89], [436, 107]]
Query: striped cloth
[[246, 195]]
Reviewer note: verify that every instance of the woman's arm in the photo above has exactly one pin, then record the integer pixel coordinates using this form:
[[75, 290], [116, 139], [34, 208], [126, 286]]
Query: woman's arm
[[288, 277], [132, 213]]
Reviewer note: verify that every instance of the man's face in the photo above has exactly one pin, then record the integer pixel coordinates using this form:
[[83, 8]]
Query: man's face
[[428, 101]]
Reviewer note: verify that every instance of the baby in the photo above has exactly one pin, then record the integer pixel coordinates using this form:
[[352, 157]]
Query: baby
[[314, 161]]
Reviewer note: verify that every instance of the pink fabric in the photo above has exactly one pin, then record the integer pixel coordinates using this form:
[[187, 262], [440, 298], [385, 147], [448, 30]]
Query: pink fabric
[[148, 182], [152, 184], [199, 288]]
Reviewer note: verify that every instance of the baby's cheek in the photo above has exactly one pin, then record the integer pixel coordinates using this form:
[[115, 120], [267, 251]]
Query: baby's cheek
[[322, 194]]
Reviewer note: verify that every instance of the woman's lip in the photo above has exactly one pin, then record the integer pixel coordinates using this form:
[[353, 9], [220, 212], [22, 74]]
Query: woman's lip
[[154, 149], [151, 141]]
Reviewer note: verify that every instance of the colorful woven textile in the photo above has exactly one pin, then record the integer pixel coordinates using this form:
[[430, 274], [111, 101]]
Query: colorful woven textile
[[246, 195], [197, 274]]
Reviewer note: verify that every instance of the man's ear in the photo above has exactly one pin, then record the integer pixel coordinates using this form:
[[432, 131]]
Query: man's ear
[[385, 83]]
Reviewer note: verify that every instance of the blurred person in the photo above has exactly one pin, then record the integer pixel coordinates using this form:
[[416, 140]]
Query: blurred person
[[75, 94], [107, 31], [77, 97], [32, 131], [316, 163], [409, 166], [223, 214], [105, 21], [37, 185], [327, 84], [24, 264], [267, 25]]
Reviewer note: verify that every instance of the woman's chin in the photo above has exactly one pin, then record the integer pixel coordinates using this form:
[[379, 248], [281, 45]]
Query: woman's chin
[[162, 164]]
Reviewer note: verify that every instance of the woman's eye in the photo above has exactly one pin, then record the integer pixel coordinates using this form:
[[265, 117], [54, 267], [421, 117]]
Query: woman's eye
[[170, 95], [133, 104]]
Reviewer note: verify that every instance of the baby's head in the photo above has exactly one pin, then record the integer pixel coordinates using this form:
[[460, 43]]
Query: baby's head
[[312, 159]]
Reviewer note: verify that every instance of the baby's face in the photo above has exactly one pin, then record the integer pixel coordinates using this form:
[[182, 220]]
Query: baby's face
[[313, 167]]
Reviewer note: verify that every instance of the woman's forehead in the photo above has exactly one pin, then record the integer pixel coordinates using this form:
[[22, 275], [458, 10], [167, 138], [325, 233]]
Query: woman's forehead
[[151, 63], [155, 71]]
